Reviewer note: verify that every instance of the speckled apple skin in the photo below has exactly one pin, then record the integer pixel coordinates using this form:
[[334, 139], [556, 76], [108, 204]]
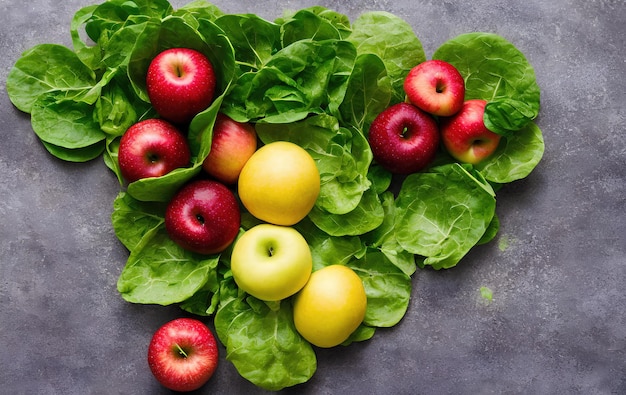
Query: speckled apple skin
[[404, 139], [203, 217]]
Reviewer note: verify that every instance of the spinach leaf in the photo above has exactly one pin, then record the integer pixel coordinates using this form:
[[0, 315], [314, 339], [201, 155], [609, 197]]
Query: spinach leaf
[[118, 107], [263, 344], [130, 39], [204, 302], [158, 271], [367, 216], [491, 232], [313, 23], [89, 54], [384, 238], [367, 94], [441, 214], [329, 250], [253, 38], [198, 9], [496, 71], [307, 24], [49, 68], [110, 157], [516, 156], [132, 220], [111, 15], [221, 53], [392, 40], [64, 122], [362, 333], [83, 154], [388, 289], [294, 83], [162, 189]]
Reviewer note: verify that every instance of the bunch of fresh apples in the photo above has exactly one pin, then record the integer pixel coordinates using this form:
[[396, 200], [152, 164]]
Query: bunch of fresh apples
[[405, 137], [277, 183], [204, 215]]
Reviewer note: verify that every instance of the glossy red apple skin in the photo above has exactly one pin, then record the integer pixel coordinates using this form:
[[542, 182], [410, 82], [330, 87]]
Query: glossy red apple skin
[[436, 87], [180, 371], [152, 148], [232, 145], [404, 139], [203, 217], [465, 135], [180, 83]]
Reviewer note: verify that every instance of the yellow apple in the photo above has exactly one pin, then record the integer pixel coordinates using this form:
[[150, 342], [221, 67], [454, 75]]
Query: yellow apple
[[271, 262], [280, 183], [330, 307]]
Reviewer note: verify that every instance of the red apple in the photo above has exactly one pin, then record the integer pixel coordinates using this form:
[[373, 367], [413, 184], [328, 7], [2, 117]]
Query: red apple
[[152, 148], [183, 354], [403, 138], [180, 83], [233, 144], [465, 135], [436, 87], [203, 217]]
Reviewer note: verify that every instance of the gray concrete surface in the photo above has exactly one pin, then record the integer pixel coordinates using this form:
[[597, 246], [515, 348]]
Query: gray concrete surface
[[557, 322]]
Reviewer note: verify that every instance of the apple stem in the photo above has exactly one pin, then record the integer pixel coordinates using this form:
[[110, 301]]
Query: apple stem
[[179, 70], [404, 132], [181, 351]]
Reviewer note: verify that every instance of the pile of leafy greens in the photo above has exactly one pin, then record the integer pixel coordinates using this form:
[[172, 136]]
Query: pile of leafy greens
[[311, 77]]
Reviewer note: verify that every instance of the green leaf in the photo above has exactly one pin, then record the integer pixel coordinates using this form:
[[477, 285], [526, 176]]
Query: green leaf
[[496, 71], [220, 53], [162, 189], [297, 81], [253, 38], [367, 216], [64, 122], [327, 250], [516, 156], [309, 24], [263, 343], [205, 301], [89, 54], [388, 289], [199, 9], [392, 40], [362, 333], [111, 15], [110, 157], [77, 155], [129, 41], [367, 94], [118, 108], [384, 238], [48, 68], [158, 271], [442, 214], [133, 220]]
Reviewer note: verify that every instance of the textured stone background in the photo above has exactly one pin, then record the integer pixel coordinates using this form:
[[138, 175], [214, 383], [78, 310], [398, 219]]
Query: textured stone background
[[556, 324]]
